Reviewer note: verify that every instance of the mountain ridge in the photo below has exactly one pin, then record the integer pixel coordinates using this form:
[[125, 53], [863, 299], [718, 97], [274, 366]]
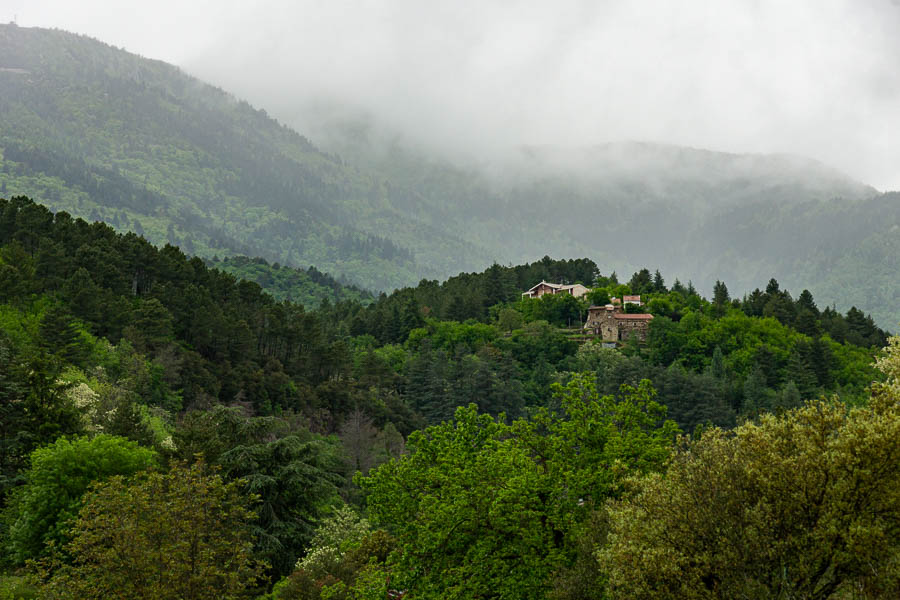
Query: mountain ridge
[[256, 186], [108, 135]]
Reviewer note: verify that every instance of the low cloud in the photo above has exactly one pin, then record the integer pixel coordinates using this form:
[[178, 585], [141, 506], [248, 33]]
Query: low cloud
[[478, 80]]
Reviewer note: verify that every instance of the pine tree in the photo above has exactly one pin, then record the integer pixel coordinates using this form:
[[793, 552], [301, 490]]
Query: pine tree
[[807, 323], [60, 336], [800, 371], [12, 452], [805, 300], [641, 282], [767, 365], [394, 326], [498, 286], [720, 294], [788, 398], [757, 398], [717, 366], [456, 310], [412, 316]]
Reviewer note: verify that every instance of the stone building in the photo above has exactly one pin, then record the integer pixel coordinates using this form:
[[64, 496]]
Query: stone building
[[614, 326]]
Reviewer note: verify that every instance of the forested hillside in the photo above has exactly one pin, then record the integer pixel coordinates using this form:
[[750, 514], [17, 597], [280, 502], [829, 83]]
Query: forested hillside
[[309, 287], [104, 134], [699, 214], [122, 363]]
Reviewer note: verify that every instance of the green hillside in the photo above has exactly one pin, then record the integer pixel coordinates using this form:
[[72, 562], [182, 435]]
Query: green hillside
[[109, 135], [456, 402], [309, 287], [698, 214]]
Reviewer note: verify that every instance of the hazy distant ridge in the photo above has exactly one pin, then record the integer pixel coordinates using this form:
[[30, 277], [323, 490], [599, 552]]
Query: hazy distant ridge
[[105, 134]]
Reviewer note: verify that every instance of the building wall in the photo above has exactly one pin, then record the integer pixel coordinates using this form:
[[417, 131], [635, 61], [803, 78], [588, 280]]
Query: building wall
[[578, 290], [543, 289], [607, 324], [640, 328], [596, 318]]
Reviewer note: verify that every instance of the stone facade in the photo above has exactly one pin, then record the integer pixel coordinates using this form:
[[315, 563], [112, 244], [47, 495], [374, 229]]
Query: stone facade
[[613, 325]]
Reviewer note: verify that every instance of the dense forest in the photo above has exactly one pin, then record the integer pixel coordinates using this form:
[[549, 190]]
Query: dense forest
[[106, 135], [309, 287], [169, 430]]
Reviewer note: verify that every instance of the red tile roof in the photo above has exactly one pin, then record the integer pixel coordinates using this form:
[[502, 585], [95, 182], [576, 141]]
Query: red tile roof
[[631, 298], [638, 316]]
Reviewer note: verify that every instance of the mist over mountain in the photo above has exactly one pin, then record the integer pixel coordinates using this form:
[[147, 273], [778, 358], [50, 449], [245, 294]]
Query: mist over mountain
[[474, 83], [109, 135], [102, 133], [701, 214], [546, 301]]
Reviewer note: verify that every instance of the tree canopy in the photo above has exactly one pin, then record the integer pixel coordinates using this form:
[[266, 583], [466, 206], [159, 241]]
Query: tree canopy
[[805, 504], [54, 484], [180, 535], [480, 507]]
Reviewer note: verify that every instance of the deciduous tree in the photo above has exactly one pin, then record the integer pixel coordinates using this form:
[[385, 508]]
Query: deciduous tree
[[805, 505], [180, 535], [59, 475], [485, 509]]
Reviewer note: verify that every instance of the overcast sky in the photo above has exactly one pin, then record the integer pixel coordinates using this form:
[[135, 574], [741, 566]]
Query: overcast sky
[[819, 78]]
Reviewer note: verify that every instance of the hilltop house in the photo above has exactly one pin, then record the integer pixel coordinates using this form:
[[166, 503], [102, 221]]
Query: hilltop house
[[626, 299], [613, 325], [577, 290]]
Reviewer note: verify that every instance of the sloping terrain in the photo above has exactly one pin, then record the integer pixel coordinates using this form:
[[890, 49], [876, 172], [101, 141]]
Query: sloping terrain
[[104, 134], [109, 135]]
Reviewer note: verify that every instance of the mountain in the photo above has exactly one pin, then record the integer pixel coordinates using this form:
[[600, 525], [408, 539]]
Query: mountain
[[104, 134], [700, 215]]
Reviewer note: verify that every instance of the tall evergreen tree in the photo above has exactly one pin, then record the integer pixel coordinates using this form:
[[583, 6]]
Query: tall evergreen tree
[[60, 335], [720, 294]]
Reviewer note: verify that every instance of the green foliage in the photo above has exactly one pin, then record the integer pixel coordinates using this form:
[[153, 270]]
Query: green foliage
[[473, 523], [346, 561], [509, 319], [183, 534], [292, 473], [450, 336], [17, 587], [599, 296], [336, 534], [562, 310], [597, 439], [482, 507], [803, 505], [58, 477], [308, 287], [34, 410]]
